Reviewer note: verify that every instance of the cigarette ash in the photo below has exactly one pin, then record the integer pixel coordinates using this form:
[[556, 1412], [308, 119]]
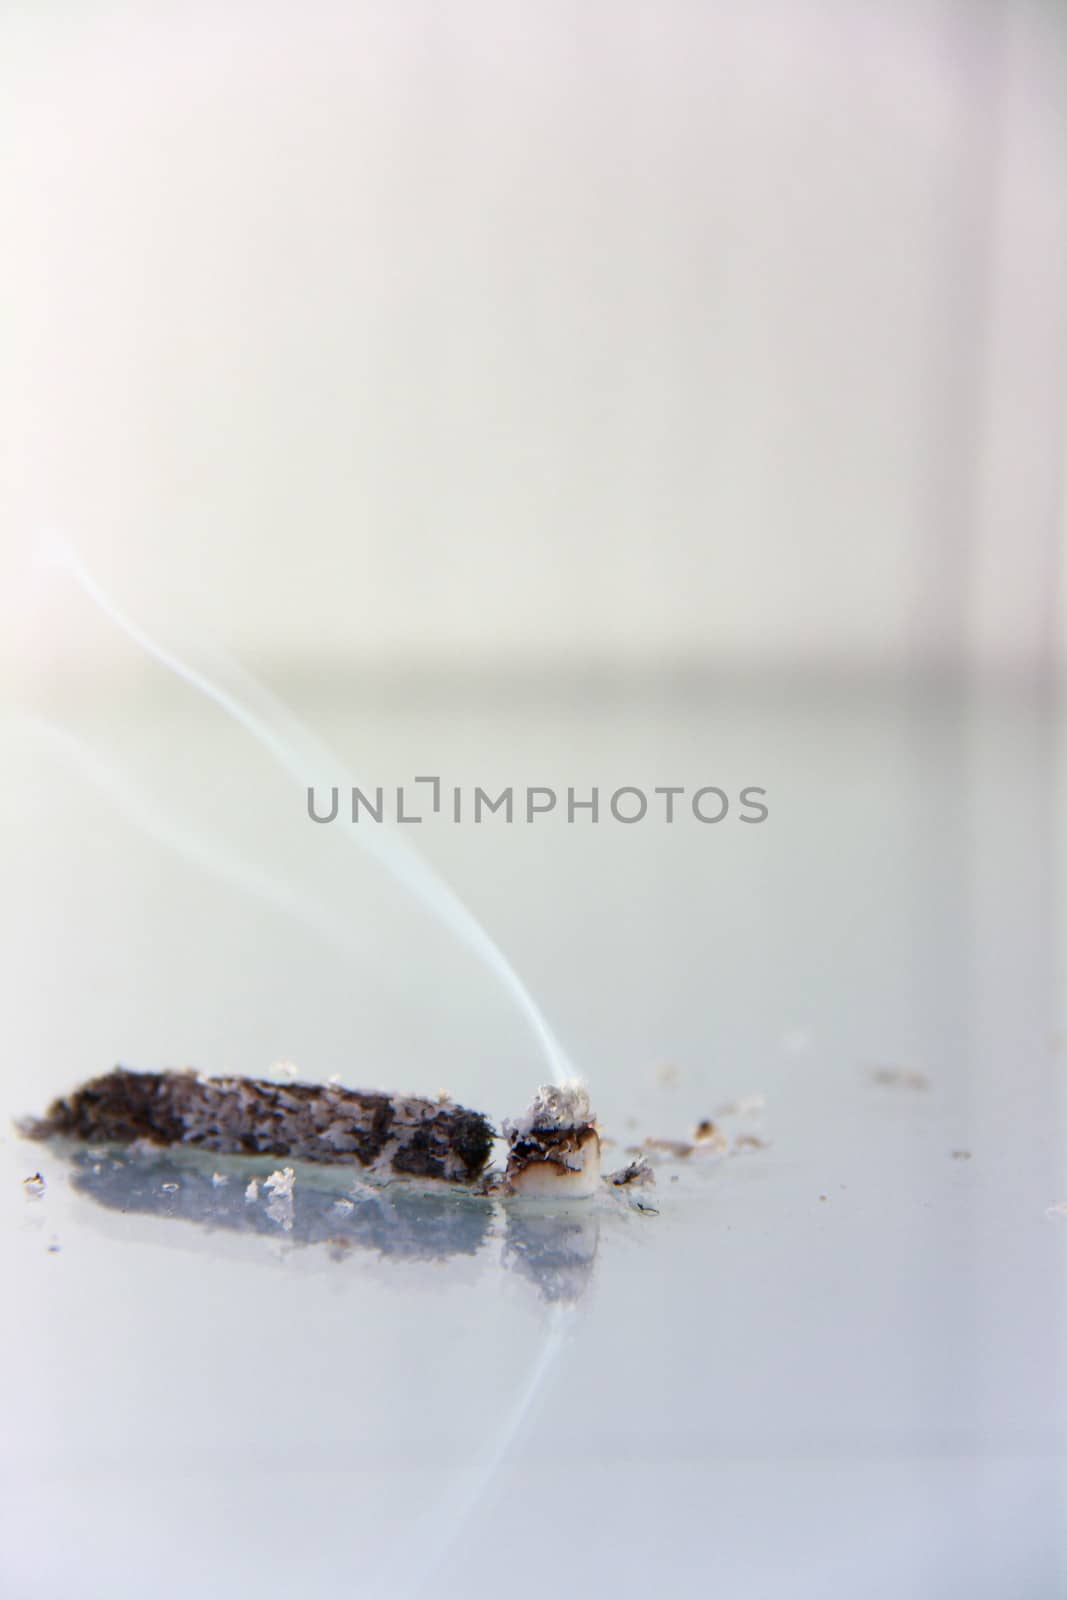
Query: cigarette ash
[[394, 1135], [33, 1187], [554, 1106]]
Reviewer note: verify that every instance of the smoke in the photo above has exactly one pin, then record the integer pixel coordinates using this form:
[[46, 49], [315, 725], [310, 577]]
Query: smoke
[[298, 752]]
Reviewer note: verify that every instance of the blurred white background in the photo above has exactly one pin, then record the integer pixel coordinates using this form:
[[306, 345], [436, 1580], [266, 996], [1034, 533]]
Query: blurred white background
[[516, 332]]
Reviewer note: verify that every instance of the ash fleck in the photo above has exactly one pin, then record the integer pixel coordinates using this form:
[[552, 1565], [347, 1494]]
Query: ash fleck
[[252, 1192], [677, 1149], [636, 1174], [280, 1188], [34, 1186], [709, 1137], [961, 1155], [218, 1179], [280, 1183], [900, 1078], [168, 1188]]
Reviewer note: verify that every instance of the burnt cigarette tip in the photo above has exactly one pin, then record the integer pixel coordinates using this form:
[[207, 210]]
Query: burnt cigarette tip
[[554, 1147]]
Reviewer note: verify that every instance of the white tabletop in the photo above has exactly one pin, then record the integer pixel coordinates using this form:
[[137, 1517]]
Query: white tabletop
[[828, 1363]]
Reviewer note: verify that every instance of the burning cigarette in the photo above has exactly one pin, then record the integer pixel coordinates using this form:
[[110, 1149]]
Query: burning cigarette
[[555, 1146], [553, 1149]]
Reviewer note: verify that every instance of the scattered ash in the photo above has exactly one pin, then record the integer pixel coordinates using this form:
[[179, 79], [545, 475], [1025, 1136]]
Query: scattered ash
[[710, 1137]]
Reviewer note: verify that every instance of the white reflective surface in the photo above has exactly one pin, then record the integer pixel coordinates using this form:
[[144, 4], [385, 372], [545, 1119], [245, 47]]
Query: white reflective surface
[[826, 1367]]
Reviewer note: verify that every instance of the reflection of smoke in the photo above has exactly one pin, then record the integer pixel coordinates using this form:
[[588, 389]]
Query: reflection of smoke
[[406, 1222], [555, 1251]]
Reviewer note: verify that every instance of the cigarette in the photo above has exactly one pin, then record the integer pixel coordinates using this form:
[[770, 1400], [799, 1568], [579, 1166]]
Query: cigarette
[[553, 1149]]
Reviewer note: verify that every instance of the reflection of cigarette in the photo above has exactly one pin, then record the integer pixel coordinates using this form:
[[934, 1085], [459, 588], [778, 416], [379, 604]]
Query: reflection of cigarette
[[556, 1249], [554, 1147]]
